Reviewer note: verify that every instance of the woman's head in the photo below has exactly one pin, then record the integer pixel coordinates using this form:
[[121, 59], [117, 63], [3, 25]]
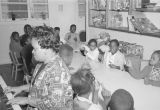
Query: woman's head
[[155, 58], [114, 46], [15, 36], [73, 28], [44, 44], [92, 44], [82, 82], [104, 36]]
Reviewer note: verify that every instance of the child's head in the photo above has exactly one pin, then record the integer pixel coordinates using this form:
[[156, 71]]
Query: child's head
[[27, 29], [82, 82], [57, 30], [155, 58], [15, 36], [114, 46], [73, 28], [121, 100], [92, 44], [66, 53]]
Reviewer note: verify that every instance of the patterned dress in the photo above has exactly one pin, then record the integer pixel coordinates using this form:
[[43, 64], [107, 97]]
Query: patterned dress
[[155, 74], [51, 85]]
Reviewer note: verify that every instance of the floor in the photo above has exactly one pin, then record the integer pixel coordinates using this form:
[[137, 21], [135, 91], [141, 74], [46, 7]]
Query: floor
[[5, 72]]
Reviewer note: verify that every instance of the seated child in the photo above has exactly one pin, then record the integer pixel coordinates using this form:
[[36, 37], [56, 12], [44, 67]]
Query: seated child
[[121, 100], [114, 59], [92, 53], [83, 85], [151, 72], [66, 53]]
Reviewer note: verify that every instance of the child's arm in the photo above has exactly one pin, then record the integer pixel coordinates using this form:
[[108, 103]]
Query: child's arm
[[95, 92], [106, 95], [140, 74]]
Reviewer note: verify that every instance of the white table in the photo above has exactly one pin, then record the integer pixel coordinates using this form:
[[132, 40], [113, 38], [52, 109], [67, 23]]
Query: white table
[[146, 97]]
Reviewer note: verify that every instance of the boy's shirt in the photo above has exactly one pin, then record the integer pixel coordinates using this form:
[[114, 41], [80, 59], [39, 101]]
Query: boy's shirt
[[72, 39], [118, 59]]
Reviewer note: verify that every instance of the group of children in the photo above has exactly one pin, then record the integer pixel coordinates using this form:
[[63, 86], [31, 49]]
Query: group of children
[[107, 51]]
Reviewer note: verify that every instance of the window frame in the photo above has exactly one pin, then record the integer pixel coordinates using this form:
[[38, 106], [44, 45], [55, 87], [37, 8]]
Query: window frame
[[30, 7]]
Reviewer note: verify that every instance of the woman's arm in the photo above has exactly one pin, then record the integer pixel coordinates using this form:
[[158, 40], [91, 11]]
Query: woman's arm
[[140, 74]]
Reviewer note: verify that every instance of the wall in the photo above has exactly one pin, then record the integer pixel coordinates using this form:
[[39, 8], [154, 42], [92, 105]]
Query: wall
[[62, 13], [6, 28], [150, 43]]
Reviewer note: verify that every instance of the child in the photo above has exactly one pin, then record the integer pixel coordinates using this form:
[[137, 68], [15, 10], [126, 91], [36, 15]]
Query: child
[[150, 73], [114, 59], [121, 100], [66, 53], [93, 51], [72, 38], [15, 44], [57, 31], [103, 44], [83, 85]]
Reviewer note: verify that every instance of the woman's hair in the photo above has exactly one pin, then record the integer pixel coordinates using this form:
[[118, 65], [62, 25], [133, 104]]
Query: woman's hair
[[13, 35], [92, 40], [82, 81], [47, 39], [157, 52], [115, 41]]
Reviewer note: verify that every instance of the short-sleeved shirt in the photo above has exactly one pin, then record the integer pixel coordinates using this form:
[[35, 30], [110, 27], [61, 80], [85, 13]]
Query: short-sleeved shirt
[[52, 86], [118, 59], [72, 39], [155, 74]]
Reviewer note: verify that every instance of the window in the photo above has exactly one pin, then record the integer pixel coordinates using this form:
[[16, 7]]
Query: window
[[23, 9]]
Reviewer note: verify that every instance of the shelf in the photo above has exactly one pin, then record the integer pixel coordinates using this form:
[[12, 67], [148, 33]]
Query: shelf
[[120, 10], [98, 9], [148, 10]]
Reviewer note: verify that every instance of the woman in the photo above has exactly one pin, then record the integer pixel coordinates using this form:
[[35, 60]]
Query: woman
[[49, 88]]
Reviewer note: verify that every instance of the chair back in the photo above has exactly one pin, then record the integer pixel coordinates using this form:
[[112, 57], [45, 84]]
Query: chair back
[[12, 57]]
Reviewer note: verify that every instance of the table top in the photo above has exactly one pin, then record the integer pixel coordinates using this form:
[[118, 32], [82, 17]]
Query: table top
[[146, 97]]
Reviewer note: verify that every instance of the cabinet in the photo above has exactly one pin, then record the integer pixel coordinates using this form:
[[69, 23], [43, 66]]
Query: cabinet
[[133, 16]]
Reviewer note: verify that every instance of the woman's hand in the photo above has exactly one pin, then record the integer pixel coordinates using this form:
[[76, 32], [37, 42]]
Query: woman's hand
[[18, 100], [15, 90]]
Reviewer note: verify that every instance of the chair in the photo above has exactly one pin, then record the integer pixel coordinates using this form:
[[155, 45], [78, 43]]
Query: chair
[[25, 70], [82, 36], [17, 66]]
